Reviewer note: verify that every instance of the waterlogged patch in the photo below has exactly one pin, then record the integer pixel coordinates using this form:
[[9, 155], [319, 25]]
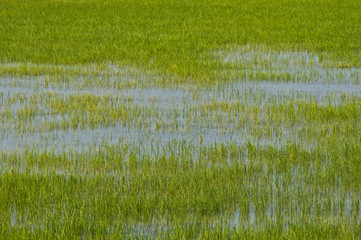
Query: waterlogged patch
[[97, 76], [260, 63], [78, 107], [237, 155]]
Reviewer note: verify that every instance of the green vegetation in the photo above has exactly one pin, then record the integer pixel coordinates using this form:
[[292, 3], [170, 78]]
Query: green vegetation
[[180, 119], [173, 37]]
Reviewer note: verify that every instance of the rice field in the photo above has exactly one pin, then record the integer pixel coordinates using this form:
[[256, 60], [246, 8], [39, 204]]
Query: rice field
[[223, 140]]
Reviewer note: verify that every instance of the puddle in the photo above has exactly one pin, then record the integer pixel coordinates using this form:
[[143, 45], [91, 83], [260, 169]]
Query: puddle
[[259, 63], [177, 115], [149, 141], [165, 116]]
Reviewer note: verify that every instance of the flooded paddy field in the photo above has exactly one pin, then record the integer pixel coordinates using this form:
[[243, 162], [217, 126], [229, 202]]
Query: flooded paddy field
[[107, 150]]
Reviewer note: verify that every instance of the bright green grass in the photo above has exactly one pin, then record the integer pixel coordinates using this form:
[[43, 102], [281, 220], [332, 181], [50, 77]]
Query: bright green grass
[[173, 37], [290, 171]]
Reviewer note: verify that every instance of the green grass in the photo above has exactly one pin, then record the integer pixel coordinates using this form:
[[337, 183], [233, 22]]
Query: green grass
[[174, 37], [180, 119]]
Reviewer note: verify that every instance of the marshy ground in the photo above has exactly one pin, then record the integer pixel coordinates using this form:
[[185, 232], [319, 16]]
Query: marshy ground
[[115, 152], [143, 125]]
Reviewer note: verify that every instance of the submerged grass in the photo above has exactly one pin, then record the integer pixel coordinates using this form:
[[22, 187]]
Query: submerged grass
[[180, 119], [84, 159]]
